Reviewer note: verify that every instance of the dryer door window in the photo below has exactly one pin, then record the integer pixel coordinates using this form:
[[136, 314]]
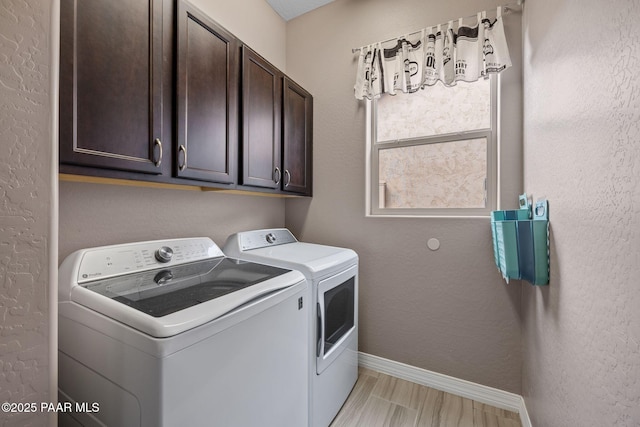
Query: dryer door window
[[337, 316], [338, 313]]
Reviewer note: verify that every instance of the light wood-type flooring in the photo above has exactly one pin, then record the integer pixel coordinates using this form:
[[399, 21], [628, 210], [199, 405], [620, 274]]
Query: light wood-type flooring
[[379, 400]]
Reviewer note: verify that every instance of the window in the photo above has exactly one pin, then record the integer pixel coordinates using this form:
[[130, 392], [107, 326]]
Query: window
[[434, 152]]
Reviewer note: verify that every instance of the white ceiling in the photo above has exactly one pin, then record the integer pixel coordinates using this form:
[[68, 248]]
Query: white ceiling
[[289, 9]]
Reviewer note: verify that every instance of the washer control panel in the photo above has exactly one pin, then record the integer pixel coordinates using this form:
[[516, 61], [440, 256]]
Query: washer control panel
[[257, 239], [110, 261]]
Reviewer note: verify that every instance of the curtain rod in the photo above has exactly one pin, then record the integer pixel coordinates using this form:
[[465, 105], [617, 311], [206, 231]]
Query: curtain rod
[[507, 8]]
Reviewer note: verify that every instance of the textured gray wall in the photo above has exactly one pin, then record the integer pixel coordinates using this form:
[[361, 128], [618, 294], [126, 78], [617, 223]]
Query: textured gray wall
[[98, 214], [582, 151], [26, 197], [447, 311]]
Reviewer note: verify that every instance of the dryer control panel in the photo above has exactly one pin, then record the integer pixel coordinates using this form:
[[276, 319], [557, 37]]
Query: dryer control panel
[[257, 239]]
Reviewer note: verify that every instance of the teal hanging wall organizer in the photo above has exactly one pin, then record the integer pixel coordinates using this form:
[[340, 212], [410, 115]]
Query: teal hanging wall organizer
[[521, 242]]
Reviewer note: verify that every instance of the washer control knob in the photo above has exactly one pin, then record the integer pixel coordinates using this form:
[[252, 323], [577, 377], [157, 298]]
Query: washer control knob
[[271, 238], [164, 254]]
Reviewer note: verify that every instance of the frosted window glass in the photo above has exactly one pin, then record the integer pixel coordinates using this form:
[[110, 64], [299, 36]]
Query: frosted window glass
[[439, 175], [434, 110]]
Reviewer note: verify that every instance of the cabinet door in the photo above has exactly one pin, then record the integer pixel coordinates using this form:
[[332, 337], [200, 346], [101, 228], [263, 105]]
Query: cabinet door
[[297, 135], [111, 83], [207, 98], [261, 122]]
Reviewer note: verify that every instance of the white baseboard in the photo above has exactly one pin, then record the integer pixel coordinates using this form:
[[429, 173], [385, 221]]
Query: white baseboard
[[478, 392], [524, 415]]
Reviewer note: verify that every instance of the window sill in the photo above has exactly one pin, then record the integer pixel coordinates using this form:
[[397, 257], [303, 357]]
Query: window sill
[[484, 217]]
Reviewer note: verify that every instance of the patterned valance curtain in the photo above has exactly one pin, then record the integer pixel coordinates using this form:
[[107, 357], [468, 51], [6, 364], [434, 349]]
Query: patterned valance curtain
[[448, 53]]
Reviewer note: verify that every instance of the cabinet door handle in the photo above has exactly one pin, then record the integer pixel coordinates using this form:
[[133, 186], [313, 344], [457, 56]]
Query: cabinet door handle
[[278, 175], [287, 174], [158, 143], [184, 150]]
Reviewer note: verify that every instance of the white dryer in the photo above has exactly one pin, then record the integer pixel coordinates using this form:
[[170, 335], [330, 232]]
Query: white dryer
[[170, 333], [332, 274]]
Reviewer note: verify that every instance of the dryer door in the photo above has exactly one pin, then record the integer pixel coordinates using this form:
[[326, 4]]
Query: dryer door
[[337, 315]]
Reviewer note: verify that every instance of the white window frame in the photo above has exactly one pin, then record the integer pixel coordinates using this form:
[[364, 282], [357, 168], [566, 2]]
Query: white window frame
[[491, 184]]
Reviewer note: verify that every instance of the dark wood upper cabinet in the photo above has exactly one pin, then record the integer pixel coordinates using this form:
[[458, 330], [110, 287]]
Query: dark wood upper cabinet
[[155, 90], [297, 139], [111, 65], [261, 164], [277, 129], [207, 98]]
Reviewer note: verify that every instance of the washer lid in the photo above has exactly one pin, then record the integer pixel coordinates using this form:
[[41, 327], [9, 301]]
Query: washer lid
[[164, 291], [166, 302]]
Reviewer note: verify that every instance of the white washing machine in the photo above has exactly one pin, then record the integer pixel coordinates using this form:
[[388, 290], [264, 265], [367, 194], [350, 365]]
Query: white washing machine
[[332, 274], [171, 333]]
